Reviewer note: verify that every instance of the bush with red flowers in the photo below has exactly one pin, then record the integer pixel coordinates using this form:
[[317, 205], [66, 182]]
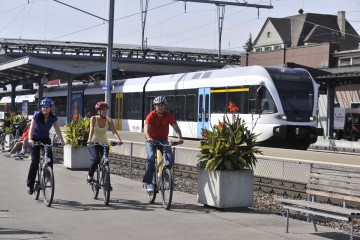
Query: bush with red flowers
[[229, 145]]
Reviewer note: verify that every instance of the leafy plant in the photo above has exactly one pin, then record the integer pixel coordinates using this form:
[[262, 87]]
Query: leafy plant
[[11, 118], [228, 145], [77, 132]]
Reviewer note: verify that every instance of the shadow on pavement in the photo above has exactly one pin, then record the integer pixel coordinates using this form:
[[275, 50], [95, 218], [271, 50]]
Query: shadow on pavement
[[115, 204], [336, 236], [11, 231]]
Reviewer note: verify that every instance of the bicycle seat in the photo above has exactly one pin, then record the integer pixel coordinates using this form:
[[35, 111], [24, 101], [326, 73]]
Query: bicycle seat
[[16, 124]]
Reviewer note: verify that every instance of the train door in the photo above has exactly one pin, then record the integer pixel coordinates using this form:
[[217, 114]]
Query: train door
[[203, 116], [119, 99]]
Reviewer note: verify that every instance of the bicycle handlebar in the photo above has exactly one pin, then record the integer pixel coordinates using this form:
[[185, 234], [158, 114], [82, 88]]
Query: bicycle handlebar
[[104, 145], [171, 143], [47, 145]]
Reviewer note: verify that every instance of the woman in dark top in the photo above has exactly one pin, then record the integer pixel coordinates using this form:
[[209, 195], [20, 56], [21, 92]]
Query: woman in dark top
[[40, 132]]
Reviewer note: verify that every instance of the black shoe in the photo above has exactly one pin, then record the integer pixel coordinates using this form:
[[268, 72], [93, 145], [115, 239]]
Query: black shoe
[[30, 190]]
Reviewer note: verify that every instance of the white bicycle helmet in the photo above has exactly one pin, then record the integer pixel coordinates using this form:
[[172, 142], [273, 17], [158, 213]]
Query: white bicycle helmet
[[159, 100]]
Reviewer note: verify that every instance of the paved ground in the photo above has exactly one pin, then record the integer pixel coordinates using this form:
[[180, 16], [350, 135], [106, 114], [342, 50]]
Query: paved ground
[[76, 215]]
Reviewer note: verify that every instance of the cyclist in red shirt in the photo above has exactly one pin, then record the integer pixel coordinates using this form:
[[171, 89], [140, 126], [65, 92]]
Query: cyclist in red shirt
[[157, 128]]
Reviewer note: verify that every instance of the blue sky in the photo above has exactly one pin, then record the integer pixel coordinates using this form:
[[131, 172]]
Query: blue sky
[[169, 23]]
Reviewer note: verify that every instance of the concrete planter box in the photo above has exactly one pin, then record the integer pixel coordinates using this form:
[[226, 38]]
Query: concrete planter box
[[225, 189], [76, 157]]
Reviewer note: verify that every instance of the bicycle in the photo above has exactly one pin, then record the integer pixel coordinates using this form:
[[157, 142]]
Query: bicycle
[[45, 180], [101, 177], [3, 142], [7, 139], [163, 176]]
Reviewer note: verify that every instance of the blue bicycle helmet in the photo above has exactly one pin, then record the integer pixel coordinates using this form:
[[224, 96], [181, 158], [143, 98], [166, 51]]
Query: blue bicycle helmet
[[46, 102]]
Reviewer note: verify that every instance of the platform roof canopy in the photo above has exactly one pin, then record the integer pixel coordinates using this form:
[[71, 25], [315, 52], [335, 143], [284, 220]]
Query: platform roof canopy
[[25, 70]]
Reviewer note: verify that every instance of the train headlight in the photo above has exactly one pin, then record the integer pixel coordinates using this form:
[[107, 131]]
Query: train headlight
[[313, 118], [282, 117]]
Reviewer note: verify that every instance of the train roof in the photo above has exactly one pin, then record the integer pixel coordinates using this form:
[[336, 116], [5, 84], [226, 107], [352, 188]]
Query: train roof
[[220, 78], [19, 98], [230, 76]]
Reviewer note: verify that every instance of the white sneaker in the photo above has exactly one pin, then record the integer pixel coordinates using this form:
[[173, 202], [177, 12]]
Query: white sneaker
[[149, 187]]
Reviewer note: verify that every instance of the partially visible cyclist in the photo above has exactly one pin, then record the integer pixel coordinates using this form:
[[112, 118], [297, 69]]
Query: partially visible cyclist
[[99, 125], [20, 144], [157, 128], [40, 132]]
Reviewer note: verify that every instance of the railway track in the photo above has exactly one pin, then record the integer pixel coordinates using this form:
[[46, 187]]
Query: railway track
[[134, 169], [186, 177], [266, 189]]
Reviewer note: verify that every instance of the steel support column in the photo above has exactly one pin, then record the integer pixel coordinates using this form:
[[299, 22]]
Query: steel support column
[[220, 14], [144, 9]]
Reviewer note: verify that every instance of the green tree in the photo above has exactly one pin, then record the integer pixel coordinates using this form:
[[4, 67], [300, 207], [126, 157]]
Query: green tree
[[248, 45]]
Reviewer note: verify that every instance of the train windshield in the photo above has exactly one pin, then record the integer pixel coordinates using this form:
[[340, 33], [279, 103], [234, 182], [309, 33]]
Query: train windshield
[[296, 93]]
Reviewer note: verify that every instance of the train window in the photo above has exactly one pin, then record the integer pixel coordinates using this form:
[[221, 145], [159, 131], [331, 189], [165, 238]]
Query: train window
[[179, 112], [60, 105], [252, 100], [218, 102], [127, 105], [132, 106], [190, 107], [170, 103], [265, 102], [136, 102], [235, 98], [31, 108], [90, 102]]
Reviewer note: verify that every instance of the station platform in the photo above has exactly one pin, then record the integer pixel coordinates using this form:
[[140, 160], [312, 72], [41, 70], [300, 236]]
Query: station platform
[[74, 214], [336, 145]]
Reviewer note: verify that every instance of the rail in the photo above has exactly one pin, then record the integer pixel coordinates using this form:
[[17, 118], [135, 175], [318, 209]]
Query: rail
[[275, 175]]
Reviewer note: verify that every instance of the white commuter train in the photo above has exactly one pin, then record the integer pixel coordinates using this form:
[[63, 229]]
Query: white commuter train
[[279, 103], [24, 104]]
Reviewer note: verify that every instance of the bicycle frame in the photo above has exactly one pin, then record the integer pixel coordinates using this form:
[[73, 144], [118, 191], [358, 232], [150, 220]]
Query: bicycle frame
[[45, 175], [102, 177], [163, 175]]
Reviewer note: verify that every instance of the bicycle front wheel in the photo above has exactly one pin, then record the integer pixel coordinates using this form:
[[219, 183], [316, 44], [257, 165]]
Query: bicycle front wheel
[[166, 187], [106, 184], [48, 185], [95, 184], [152, 195], [9, 142], [2, 142]]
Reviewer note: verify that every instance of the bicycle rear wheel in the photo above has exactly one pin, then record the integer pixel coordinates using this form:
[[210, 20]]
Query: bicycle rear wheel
[[166, 187], [106, 186], [95, 184], [48, 185], [37, 186]]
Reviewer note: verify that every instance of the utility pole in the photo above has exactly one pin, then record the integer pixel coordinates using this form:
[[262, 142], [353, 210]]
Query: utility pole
[[221, 14], [144, 10], [109, 56], [221, 11], [109, 51]]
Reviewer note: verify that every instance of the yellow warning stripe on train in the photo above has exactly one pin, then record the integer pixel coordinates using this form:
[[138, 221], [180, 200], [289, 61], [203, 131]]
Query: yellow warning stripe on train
[[230, 90]]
